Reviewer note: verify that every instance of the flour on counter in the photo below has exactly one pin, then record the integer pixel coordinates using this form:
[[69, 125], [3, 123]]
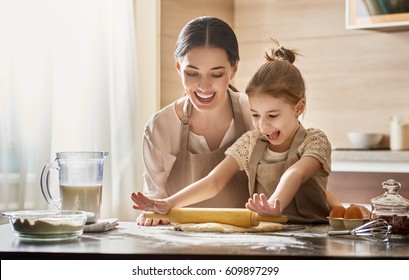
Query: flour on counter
[[166, 236]]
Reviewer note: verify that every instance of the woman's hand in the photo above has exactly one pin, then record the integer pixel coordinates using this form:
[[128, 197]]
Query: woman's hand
[[142, 221], [259, 204], [144, 203]]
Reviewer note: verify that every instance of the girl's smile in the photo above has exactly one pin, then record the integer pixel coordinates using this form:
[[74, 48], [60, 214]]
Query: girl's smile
[[272, 136]]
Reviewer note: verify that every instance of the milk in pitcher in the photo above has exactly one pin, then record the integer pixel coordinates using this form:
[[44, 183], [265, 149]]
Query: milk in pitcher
[[82, 198]]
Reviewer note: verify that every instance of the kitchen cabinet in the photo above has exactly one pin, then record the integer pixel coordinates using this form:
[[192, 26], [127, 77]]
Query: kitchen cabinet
[[361, 187], [357, 175], [381, 15]]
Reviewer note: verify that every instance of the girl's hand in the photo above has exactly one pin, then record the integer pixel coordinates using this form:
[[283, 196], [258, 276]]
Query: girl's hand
[[259, 204], [144, 203]]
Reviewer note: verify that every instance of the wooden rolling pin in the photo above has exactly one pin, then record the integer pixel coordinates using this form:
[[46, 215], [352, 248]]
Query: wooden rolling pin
[[232, 216]]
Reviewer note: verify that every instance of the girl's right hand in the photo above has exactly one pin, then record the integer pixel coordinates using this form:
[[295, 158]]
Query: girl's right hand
[[260, 205]]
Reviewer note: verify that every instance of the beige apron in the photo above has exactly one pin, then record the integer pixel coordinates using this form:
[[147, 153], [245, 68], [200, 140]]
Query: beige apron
[[310, 202], [189, 168]]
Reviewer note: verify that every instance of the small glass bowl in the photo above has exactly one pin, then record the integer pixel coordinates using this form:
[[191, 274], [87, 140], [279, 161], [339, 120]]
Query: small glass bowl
[[47, 225]]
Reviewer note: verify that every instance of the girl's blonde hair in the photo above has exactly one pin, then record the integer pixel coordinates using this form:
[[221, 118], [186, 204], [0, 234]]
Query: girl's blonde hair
[[278, 76]]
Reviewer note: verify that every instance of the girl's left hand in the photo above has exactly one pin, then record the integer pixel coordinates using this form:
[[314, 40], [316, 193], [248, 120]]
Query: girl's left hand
[[259, 204]]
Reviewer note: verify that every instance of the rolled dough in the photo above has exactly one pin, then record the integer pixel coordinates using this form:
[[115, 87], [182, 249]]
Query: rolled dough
[[217, 227]]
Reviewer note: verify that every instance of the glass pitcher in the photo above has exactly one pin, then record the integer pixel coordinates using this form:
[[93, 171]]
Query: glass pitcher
[[80, 182]]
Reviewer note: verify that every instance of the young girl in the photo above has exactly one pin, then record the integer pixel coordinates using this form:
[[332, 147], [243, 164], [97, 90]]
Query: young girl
[[185, 140], [287, 165]]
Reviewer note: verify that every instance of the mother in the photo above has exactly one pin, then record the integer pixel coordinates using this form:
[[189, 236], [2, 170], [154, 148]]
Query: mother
[[185, 140]]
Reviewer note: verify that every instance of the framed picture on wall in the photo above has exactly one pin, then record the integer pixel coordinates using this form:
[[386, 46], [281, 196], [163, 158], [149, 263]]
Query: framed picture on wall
[[383, 15]]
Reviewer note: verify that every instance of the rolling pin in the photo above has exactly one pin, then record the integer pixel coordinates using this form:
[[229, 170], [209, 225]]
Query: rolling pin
[[232, 216]]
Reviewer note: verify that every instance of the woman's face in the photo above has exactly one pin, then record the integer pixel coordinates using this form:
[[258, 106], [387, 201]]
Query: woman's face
[[276, 119], [206, 73]]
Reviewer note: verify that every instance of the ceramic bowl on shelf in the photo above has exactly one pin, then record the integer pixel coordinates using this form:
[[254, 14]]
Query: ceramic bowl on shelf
[[47, 225], [365, 140]]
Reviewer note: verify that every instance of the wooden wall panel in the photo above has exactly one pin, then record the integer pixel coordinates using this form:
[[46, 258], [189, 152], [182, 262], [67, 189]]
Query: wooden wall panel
[[356, 79], [288, 20]]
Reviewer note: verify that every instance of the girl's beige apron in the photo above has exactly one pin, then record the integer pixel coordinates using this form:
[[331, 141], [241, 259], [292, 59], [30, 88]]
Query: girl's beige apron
[[189, 168], [310, 202]]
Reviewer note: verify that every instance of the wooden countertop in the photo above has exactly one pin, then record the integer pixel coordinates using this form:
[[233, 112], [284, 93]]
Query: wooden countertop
[[130, 241]]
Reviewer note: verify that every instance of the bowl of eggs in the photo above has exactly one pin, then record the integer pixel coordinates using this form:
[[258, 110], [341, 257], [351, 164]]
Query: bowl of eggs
[[341, 218]]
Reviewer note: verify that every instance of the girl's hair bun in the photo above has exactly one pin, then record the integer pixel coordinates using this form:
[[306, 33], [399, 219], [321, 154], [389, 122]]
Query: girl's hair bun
[[280, 53]]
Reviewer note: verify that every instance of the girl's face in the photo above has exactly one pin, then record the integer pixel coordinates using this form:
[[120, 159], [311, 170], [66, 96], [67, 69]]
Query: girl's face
[[206, 73], [276, 119]]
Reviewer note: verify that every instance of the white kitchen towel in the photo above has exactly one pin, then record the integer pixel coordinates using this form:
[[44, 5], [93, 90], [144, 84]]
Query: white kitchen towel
[[102, 225]]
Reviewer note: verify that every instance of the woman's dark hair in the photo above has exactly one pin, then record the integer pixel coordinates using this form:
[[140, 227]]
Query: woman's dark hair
[[208, 31]]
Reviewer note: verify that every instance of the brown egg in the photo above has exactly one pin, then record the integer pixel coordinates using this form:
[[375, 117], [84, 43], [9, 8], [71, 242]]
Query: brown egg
[[337, 212], [366, 213], [353, 212]]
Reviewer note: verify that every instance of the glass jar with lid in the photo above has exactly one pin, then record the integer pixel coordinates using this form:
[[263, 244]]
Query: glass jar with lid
[[392, 207]]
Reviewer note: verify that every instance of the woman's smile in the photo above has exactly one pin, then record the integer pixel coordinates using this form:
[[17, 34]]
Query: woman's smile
[[206, 73], [204, 97]]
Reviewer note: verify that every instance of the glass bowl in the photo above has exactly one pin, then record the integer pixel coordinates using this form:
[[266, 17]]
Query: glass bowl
[[47, 225]]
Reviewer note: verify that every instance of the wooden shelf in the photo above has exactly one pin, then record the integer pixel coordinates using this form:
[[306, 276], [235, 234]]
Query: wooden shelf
[[359, 16]]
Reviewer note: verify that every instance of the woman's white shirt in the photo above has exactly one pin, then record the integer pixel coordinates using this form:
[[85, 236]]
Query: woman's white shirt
[[161, 145]]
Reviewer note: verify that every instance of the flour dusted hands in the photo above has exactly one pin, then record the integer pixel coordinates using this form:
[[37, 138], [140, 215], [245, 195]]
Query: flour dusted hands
[[144, 203], [259, 204]]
